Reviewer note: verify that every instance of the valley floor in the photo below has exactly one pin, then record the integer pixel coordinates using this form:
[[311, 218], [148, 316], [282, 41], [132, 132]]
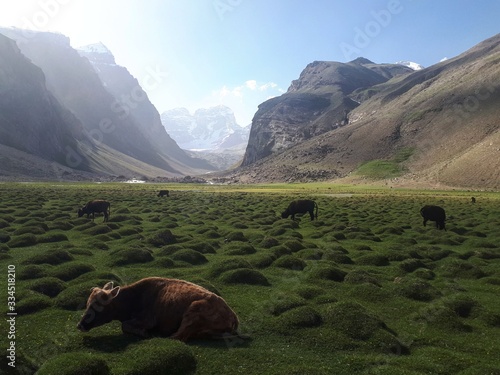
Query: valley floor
[[364, 289]]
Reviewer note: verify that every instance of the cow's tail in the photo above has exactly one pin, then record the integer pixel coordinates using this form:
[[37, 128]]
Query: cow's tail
[[316, 205]]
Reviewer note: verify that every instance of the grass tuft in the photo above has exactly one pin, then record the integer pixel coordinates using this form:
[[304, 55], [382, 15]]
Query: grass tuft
[[75, 363], [72, 270], [162, 238], [33, 304], [130, 256], [353, 320], [290, 262], [158, 357], [53, 257], [50, 286], [326, 273], [189, 256], [22, 240], [244, 276]]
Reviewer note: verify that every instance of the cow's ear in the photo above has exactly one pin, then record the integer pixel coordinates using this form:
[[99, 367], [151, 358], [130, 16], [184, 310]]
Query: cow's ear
[[108, 286], [114, 292]]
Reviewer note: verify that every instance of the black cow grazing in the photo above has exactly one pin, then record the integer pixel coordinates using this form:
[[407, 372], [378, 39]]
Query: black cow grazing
[[434, 213], [163, 193], [473, 200], [96, 206], [301, 207]]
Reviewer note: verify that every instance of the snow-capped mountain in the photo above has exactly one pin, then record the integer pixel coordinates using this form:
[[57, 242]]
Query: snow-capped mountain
[[411, 64], [97, 53], [212, 128]]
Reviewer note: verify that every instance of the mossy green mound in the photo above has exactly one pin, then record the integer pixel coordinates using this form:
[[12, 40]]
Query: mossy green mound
[[75, 363], [158, 356]]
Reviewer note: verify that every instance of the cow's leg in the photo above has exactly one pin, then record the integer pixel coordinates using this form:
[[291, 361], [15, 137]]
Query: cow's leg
[[425, 222], [193, 321], [312, 214], [205, 319], [138, 327]]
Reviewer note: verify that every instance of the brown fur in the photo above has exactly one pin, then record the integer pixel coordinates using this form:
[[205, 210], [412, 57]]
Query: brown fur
[[170, 307]]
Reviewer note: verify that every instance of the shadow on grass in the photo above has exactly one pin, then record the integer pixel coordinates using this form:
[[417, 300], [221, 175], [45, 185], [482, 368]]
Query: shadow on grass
[[110, 343], [222, 343], [120, 342]]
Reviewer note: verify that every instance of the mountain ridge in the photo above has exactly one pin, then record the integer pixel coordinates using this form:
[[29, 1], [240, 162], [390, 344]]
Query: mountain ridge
[[317, 102], [444, 117], [73, 81], [437, 126]]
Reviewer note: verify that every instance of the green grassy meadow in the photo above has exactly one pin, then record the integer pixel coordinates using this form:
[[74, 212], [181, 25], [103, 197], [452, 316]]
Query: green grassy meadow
[[365, 289]]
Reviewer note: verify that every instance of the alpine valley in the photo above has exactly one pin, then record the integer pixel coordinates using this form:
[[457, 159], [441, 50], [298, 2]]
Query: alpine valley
[[70, 114], [96, 134], [210, 133]]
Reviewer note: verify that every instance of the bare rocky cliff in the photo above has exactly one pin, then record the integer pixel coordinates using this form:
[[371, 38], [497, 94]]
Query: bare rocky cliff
[[317, 102]]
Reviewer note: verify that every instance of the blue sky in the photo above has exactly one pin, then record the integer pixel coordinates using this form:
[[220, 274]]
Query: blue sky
[[199, 53]]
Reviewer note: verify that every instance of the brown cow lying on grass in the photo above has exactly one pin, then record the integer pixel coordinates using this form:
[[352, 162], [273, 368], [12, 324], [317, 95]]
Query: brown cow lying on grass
[[170, 307], [96, 206]]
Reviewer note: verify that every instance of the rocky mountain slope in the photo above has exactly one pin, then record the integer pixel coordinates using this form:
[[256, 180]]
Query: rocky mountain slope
[[132, 101], [135, 132], [31, 118], [439, 125], [317, 102]]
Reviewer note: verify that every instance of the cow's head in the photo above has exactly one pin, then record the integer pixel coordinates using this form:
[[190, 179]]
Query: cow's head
[[285, 214], [81, 212], [99, 309]]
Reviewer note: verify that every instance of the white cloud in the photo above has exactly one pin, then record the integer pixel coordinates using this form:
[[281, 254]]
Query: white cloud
[[251, 84], [243, 99], [269, 85], [224, 91], [237, 91]]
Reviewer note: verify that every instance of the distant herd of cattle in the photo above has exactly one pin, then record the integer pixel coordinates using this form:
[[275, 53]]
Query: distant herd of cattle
[[175, 308]]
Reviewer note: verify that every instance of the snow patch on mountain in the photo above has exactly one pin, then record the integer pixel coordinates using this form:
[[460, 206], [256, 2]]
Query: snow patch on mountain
[[97, 53], [411, 64], [212, 128]]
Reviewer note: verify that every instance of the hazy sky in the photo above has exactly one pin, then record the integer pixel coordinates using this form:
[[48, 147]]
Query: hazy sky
[[199, 53]]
